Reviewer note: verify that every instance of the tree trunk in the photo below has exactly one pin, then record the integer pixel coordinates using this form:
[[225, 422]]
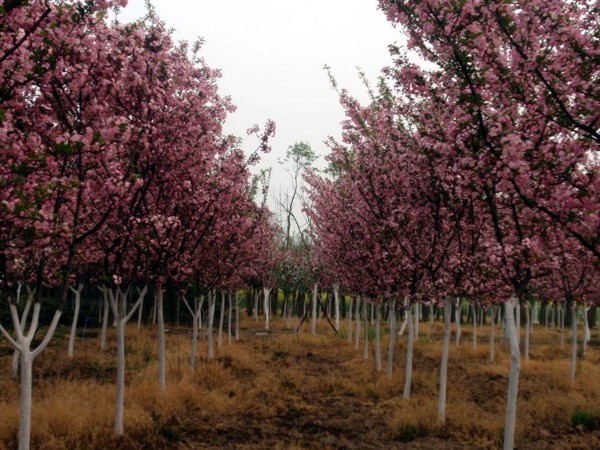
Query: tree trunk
[[313, 324], [77, 292], [357, 333], [573, 307], [221, 320], [562, 325], [513, 380], [444, 366], [409, 353], [390, 358], [27, 356], [209, 327], [336, 299], [366, 340], [229, 317], [493, 333], [527, 330], [586, 330], [350, 320], [474, 326], [457, 319], [237, 317], [104, 318], [267, 306], [378, 337], [162, 363]]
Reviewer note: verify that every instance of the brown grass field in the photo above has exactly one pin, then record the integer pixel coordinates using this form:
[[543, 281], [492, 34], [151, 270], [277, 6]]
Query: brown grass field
[[275, 390]]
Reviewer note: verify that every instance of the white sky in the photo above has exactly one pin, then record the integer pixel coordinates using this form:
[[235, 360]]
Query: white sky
[[271, 54]]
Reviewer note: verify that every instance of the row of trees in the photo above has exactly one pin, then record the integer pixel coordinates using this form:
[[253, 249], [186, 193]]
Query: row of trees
[[474, 173], [115, 172]]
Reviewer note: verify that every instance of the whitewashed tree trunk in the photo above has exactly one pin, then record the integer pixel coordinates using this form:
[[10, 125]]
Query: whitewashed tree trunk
[[229, 317], [457, 315], [256, 295], [22, 344], [350, 304], [562, 325], [237, 316], [77, 292], [417, 319], [222, 319], [587, 337], [140, 314], [404, 323], [409, 353], [313, 323], [493, 333], [444, 365], [162, 353], [474, 312], [195, 312], [267, 305], [336, 299], [106, 306], [24, 316], [378, 337], [390, 357], [366, 340], [518, 324], [357, 333], [527, 330], [573, 342], [513, 379], [118, 304], [209, 327]]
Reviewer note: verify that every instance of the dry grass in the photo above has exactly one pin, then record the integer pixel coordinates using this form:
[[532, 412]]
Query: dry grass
[[278, 390]]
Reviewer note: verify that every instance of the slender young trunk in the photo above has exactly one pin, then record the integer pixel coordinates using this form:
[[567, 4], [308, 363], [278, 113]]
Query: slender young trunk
[[513, 380], [350, 320], [444, 366], [378, 337], [162, 363], [562, 325], [229, 315], [222, 319], [586, 330], [409, 354], [106, 306], [474, 326], [24, 315], [313, 324], [336, 299], [118, 304], [267, 306], [195, 312], [417, 319], [120, 394], [527, 330], [237, 316], [390, 357], [492, 333], [457, 320], [140, 314], [573, 342], [22, 343], [209, 326], [77, 292], [256, 305], [357, 333], [518, 324], [366, 340]]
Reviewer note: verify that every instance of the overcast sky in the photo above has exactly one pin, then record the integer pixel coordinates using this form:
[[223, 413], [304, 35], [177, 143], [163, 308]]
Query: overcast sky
[[271, 54]]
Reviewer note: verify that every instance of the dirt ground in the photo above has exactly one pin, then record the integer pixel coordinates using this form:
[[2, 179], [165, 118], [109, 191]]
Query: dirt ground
[[275, 390]]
